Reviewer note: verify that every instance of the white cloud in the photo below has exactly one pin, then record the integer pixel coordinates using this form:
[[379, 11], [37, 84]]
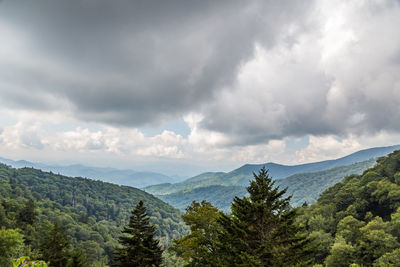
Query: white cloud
[[337, 75], [327, 70], [22, 135], [331, 147]]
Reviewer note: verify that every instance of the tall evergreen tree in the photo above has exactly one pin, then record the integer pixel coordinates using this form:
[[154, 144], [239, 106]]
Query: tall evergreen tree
[[28, 214], [261, 230], [55, 247], [139, 247]]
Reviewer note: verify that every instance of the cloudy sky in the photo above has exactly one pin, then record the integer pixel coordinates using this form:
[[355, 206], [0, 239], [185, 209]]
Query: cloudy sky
[[187, 86]]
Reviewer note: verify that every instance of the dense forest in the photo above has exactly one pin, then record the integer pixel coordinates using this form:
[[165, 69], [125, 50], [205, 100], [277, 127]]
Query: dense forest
[[90, 213], [356, 222], [307, 187]]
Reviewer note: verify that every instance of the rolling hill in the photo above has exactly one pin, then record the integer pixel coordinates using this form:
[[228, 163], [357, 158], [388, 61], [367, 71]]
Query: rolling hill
[[220, 196], [241, 176], [304, 187], [91, 212], [133, 178]]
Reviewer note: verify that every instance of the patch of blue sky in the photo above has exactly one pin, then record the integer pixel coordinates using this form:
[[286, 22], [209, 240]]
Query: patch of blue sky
[[297, 143], [178, 126]]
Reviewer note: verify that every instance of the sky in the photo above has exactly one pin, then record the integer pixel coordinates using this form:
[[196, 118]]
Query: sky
[[182, 87]]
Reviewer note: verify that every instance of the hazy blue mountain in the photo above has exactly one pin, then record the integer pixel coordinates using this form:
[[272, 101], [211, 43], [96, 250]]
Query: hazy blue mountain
[[167, 188], [242, 175], [121, 177], [278, 171], [304, 187], [220, 196]]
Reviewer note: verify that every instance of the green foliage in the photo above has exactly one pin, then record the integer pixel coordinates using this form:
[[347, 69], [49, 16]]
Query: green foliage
[[77, 259], [11, 243], [90, 213], [341, 254], [26, 262], [261, 231], [198, 247], [390, 259], [323, 241], [350, 229], [262, 228], [362, 213], [139, 248], [55, 247], [375, 241]]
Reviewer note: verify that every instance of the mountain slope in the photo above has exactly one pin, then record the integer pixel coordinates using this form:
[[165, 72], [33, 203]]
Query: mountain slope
[[121, 177], [194, 182], [89, 211], [220, 196], [277, 171], [304, 187], [242, 175], [357, 220]]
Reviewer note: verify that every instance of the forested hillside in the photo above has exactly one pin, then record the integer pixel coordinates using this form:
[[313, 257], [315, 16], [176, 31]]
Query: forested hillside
[[91, 213], [219, 195], [358, 220], [201, 180], [242, 175], [304, 187], [354, 223]]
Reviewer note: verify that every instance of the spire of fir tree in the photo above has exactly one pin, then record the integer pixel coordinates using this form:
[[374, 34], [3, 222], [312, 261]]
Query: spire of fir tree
[[139, 247], [262, 229], [55, 246]]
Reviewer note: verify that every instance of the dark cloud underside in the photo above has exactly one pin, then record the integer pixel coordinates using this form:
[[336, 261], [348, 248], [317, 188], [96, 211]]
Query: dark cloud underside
[[327, 67], [136, 62]]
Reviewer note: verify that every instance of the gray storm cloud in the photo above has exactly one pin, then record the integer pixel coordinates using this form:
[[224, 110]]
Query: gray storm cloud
[[341, 76], [130, 62], [256, 70]]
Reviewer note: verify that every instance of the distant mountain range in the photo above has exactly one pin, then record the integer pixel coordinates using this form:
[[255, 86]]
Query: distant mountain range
[[305, 182], [303, 187], [132, 178], [242, 175]]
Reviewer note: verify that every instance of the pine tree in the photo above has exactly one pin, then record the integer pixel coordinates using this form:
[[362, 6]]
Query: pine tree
[[28, 214], [261, 230], [139, 247], [55, 247]]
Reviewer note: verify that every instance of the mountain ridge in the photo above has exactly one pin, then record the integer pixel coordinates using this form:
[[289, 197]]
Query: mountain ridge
[[241, 175], [138, 179], [303, 187]]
